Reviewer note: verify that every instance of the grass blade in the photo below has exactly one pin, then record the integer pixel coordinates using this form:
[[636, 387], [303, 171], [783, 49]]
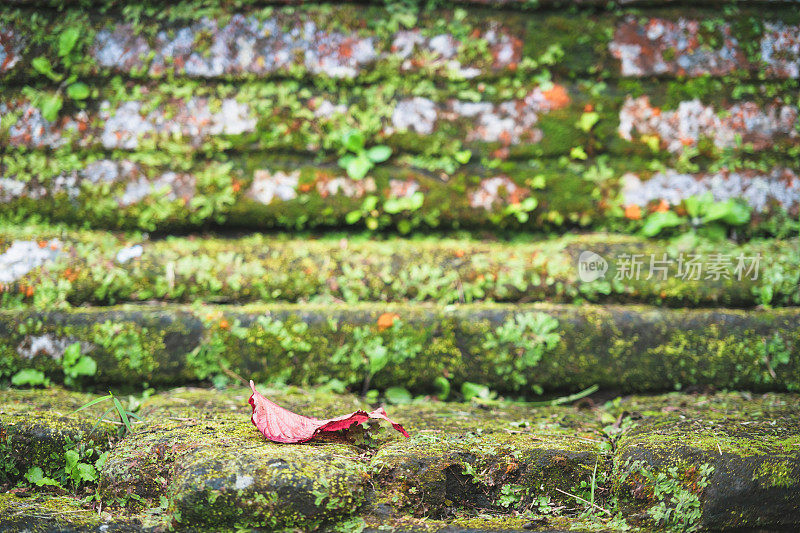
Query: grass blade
[[93, 402], [123, 415]]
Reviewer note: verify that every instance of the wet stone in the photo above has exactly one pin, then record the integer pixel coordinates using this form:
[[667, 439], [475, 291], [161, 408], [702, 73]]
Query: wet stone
[[199, 450], [675, 461], [469, 457], [714, 464]]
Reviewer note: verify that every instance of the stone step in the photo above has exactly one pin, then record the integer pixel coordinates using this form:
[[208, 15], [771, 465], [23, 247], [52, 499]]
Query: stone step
[[47, 267], [520, 348], [435, 127], [344, 42], [196, 462], [251, 191], [520, 5]]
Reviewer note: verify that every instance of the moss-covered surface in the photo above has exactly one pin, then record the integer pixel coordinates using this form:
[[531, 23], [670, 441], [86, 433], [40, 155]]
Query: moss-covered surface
[[510, 348], [476, 51], [196, 462], [37, 429], [718, 468], [98, 268], [47, 513]]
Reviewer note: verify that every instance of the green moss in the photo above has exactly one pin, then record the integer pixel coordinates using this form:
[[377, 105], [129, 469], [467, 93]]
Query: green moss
[[777, 474]]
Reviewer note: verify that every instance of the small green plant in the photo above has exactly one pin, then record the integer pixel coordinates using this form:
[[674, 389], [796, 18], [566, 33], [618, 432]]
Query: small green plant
[[521, 210], [704, 216], [520, 343], [677, 507], [370, 352], [68, 53], [368, 211], [125, 342], [79, 468], [476, 391], [510, 495], [29, 377], [73, 364], [359, 160], [76, 365], [124, 414]]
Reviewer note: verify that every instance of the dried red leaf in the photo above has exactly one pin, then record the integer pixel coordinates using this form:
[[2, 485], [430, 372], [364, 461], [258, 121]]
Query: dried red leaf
[[281, 425]]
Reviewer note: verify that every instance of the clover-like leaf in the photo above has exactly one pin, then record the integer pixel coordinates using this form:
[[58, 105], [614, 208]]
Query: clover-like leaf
[[78, 91], [379, 154]]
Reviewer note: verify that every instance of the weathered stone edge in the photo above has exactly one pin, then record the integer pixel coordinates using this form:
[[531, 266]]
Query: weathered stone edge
[[629, 348], [617, 44], [47, 269]]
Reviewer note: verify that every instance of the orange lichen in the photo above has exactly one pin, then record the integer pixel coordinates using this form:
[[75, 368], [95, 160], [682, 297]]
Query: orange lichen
[[633, 212], [386, 320]]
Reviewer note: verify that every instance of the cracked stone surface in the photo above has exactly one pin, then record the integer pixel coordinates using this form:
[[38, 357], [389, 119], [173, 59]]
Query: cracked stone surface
[[195, 460]]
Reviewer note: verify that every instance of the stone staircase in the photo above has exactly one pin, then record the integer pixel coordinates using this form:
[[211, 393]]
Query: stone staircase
[[559, 240]]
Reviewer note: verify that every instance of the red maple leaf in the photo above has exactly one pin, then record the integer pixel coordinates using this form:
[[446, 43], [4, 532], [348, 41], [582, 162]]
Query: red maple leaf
[[281, 425]]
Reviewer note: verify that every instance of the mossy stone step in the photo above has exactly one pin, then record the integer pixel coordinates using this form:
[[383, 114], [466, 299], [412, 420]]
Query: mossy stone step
[[256, 192], [199, 450], [47, 268], [520, 349], [726, 460], [746, 465], [342, 43], [37, 431]]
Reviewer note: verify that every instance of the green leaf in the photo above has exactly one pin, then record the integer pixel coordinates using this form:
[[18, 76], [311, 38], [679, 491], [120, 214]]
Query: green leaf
[[463, 156], [717, 211], [379, 154], [730, 211], [50, 105], [739, 214], [393, 205], [36, 476], [123, 415], [345, 160], [442, 385], [699, 205], [93, 402], [358, 167], [86, 366], [475, 390], [78, 91], [67, 40], [378, 358], [42, 65], [659, 220], [71, 354], [587, 121], [538, 182], [29, 376], [71, 457], [397, 395], [352, 217], [85, 472], [529, 204], [578, 153], [353, 140], [370, 203]]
